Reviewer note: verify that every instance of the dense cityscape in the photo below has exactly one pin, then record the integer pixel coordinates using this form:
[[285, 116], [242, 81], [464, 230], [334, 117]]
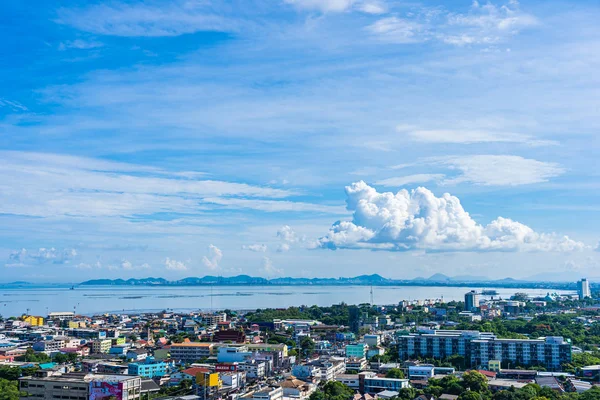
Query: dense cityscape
[[484, 347]]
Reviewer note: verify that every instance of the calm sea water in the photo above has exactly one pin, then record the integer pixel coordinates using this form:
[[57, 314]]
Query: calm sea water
[[98, 299]]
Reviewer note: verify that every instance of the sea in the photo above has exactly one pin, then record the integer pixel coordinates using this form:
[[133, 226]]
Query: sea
[[89, 300]]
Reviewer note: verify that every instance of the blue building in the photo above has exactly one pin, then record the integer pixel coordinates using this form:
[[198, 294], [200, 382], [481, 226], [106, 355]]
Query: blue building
[[149, 369]]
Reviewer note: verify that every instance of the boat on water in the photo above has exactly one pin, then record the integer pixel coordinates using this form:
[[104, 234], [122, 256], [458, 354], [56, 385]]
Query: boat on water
[[489, 292]]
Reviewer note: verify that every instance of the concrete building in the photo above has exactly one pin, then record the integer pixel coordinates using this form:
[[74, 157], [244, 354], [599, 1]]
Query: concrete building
[[49, 346], [213, 319], [190, 352], [233, 354], [61, 315], [33, 320], [358, 350], [101, 346], [296, 389], [149, 369], [253, 369], [82, 387], [373, 340], [471, 301], [479, 348], [86, 333], [356, 364], [374, 384], [583, 289], [269, 394], [421, 372]]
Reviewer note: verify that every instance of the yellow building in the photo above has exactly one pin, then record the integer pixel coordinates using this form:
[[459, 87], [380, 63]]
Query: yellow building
[[119, 340], [33, 320], [209, 380], [494, 365], [76, 324]]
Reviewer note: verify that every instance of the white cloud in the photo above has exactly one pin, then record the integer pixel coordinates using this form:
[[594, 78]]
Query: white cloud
[[469, 136], [397, 30], [283, 247], [24, 257], [322, 5], [487, 24], [79, 44], [126, 265], [83, 265], [372, 7], [121, 19], [269, 269], [13, 105], [410, 179], [500, 170], [257, 248], [174, 265], [214, 258], [274, 206], [287, 234], [420, 220]]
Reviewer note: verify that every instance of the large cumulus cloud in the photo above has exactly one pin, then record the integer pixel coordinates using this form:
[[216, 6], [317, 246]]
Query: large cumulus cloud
[[420, 220]]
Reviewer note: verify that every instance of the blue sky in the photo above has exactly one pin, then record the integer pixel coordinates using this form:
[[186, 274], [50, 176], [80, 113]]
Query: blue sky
[[299, 138]]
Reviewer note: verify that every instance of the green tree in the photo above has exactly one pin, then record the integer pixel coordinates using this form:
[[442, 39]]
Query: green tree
[[307, 346], [9, 390], [332, 390], [10, 373], [395, 373], [592, 394], [475, 381], [469, 395], [407, 393], [32, 356]]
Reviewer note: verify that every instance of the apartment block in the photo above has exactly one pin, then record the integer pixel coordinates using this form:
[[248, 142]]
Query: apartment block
[[479, 348], [191, 352], [101, 346]]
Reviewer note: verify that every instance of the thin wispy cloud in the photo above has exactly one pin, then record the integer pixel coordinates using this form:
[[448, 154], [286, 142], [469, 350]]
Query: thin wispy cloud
[[151, 20]]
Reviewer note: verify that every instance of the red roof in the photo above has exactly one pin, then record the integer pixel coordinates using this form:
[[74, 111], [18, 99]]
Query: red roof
[[195, 371], [489, 374]]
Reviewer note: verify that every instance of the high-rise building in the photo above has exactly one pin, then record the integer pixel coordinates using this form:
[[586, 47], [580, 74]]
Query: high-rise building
[[583, 289], [478, 348], [471, 301]]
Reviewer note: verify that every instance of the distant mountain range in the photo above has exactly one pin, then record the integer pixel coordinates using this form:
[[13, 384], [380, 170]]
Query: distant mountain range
[[374, 279]]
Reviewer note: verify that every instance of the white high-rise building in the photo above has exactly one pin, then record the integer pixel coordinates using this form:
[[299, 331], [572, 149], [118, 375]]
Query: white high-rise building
[[583, 289]]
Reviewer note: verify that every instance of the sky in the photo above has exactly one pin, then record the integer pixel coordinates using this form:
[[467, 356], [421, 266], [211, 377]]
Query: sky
[[305, 138]]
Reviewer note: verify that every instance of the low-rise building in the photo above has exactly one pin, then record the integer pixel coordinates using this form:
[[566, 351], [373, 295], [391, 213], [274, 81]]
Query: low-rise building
[[356, 364], [269, 394], [233, 354], [191, 352], [149, 369], [358, 350], [33, 320], [82, 387], [375, 384], [101, 346], [49, 346], [254, 369]]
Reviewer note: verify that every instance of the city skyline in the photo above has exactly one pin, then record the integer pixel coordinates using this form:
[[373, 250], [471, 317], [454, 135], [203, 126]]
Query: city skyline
[[299, 138]]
